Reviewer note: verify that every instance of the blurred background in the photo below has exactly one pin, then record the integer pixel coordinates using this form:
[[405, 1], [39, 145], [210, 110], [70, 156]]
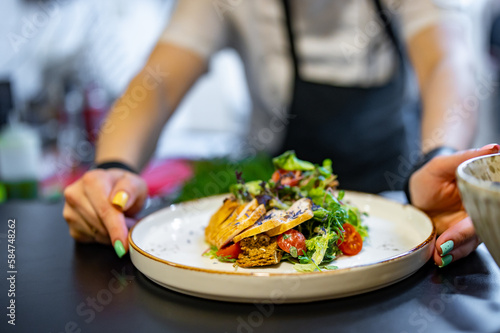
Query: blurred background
[[64, 62]]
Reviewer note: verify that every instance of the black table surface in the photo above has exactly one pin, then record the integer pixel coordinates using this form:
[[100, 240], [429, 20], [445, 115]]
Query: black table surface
[[62, 286]]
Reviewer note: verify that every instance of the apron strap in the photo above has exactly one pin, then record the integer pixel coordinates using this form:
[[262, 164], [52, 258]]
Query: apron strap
[[291, 39], [389, 27]]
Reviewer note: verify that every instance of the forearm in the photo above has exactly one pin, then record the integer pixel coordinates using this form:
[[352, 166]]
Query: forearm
[[450, 106], [445, 74], [134, 124]]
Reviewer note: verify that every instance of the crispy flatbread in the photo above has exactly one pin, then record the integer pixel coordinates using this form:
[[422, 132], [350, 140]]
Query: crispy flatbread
[[259, 250], [228, 207], [300, 211], [270, 220], [236, 223]]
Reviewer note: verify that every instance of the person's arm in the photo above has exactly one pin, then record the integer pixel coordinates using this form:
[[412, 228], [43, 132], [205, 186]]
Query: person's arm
[[444, 69], [137, 118], [446, 79], [97, 203]]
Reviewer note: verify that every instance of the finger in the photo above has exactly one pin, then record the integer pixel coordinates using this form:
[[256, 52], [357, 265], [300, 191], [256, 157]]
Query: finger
[[448, 164], [456, 242], [84, 238], [78, 201], [75, 221], [98, 191], [129, 193], [79, 236], [83, 228]]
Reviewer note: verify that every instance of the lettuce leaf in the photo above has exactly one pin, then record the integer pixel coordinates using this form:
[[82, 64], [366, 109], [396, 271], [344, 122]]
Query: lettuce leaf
[[318, 244], [354, 218], [288, 161]]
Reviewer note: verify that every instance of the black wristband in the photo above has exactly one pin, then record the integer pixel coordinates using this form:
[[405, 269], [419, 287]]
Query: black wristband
[[115, 164], [422, 161]]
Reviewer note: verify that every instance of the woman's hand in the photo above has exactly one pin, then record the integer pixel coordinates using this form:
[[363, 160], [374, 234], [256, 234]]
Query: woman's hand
[[433, 189], [97, 203]]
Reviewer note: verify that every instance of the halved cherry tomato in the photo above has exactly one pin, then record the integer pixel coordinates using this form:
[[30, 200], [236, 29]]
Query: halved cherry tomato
[[353, 243], [290, 178], [229, 252], [291, 238]]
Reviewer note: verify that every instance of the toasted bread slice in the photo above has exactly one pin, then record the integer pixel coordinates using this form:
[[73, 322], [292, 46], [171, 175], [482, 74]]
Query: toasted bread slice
[[259, 250], [228, 207], [270, 220], [232, 227], [300, 211]]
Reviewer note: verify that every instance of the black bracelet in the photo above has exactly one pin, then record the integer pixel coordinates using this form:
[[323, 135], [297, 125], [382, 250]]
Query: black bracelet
[[115, 164], [422, 161]]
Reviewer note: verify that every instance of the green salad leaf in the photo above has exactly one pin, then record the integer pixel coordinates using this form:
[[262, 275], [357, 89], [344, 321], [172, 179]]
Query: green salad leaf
[[318, 244], [288, 161], [354, 218]]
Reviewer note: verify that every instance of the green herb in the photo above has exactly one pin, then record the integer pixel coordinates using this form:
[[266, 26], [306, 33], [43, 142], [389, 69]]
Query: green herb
[[287, 257], [329, 267], [225, 259], [354, 218], [307, 264], [212, 254], [286, 236], [288, 161]]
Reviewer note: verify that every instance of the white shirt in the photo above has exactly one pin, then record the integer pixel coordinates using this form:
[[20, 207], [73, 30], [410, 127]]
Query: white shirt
[[339, 42]]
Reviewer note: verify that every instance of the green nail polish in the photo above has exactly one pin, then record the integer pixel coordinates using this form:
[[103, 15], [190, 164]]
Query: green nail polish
[[446, 247], [446, 260], [119, 249]]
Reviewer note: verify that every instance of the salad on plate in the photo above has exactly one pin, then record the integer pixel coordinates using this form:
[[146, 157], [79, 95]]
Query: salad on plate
[[297, 216]]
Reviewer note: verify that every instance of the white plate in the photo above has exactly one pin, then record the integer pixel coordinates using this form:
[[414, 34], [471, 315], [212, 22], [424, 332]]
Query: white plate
[[167, 247]]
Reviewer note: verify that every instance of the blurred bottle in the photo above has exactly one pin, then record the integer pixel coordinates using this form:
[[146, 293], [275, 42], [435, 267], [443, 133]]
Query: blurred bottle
[[20, 156]]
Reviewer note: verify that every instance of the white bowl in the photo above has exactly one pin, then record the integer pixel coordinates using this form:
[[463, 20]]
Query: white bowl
[[479, 184]]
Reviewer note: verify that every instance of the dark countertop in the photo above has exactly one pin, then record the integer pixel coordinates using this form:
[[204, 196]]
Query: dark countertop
[[62, 286]]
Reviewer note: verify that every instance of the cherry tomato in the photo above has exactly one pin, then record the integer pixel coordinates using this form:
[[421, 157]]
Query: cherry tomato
[[291, 238], [229, 252], [290, 178], [353, 243]]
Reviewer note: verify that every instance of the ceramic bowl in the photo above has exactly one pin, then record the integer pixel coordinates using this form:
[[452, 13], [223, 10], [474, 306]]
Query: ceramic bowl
[[479, 184]]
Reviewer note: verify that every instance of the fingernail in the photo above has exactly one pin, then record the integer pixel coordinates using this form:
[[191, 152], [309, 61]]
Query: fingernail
[[446, 260], [119, 249], [491, 146], [120, 199], [446, 247]]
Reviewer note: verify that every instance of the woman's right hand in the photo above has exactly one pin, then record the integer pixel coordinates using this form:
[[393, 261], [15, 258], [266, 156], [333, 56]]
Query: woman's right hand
[[97, 203]]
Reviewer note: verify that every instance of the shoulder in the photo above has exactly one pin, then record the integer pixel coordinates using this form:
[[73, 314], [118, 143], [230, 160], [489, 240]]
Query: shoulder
[[198, 25]]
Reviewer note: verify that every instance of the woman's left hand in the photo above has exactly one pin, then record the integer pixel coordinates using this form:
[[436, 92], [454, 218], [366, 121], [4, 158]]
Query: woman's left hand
[[433, 189]]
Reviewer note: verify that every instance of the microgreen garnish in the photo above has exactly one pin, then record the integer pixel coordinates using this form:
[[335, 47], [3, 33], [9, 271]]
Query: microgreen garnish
[[212, 254]]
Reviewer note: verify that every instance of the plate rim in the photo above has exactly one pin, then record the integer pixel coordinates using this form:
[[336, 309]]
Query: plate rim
[[399, 256]]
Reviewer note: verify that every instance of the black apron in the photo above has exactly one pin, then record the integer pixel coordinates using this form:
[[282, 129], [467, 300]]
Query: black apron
[[368, 133]]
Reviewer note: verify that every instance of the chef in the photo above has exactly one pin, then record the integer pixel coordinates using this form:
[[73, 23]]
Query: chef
[[377, 86]]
